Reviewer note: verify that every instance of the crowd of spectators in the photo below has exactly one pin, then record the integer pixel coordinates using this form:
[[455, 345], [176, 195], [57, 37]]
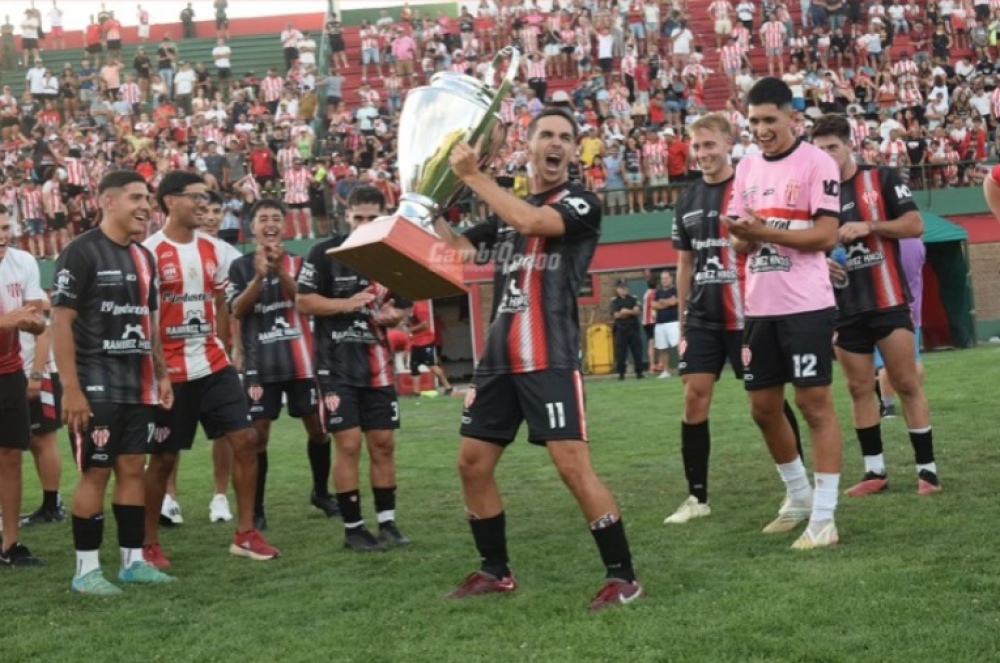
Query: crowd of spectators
[[918, 82]]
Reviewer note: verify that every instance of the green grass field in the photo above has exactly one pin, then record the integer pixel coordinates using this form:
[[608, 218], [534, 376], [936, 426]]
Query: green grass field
[[915, 579]]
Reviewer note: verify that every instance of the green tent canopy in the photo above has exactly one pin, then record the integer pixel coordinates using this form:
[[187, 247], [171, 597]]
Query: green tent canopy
[[938, 229]]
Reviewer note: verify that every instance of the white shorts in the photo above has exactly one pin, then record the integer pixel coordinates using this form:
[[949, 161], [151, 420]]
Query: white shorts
[[666, 335], [143, 31]]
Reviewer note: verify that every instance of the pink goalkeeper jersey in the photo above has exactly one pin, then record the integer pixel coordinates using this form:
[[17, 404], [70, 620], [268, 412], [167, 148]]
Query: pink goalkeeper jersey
[[789, 192]]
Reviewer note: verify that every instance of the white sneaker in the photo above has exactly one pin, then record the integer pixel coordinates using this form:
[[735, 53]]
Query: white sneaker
[[218, 509], [665, 374], [171, 511], [790, 514], [689, 509], [825, 535]]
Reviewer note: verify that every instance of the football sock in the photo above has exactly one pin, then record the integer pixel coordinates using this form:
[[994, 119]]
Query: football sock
[[320, 450], [258, 498], [87, 536], [131, 524], [130, 556], [794, 423], [871, 448], [695, 449], [350, 508], [796, 480], [50, 500], [825, 496], [922, 440], [490, 535], [385, 503], [613, 546]]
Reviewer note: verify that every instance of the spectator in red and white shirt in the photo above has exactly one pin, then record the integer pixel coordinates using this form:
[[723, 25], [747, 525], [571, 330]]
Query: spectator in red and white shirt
[[370, 49], [290, 38], [893, 150], [271, 88], [772, 38], [296, 181], [654, 158], [721, 12], [33, 217], [731, 60]]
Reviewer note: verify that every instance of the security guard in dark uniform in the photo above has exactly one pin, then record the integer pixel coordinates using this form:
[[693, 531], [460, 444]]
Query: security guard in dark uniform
[[625, 310]]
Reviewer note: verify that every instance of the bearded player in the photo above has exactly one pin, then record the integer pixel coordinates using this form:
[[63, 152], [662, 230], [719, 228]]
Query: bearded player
[[873, 306], [529, 370]]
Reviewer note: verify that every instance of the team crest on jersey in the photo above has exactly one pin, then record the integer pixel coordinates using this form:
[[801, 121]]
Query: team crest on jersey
[[514, 300], [870, 198], [170, 274], [256, 392], [470, 397], [746, 355], [792, 190], [160, 434], [331, 401], [210, 269], [101, 436]]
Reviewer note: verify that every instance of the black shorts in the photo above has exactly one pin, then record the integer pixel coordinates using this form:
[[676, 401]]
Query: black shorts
[[304, 205], [29, 44], [605, 64], [221, 23], [860, 333], [421, 355], [57, 221], [115, 430], [370, 408], [94, 49], [797, 348], [216, 400], [264, 400], [650, 331], [45, 412], [14, 419], [224, 73], [707, 350], [114, 44], [550, 401]]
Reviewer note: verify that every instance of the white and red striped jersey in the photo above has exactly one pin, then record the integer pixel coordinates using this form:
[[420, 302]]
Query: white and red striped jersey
[[52, 201], [536, 69], [871, 156], [825, 91], [904, 70], [393, 84], [732, 56], [286, 157], [190, 275], [369, 38], [297, 185], [774, 34], [131, 93], [618, 100], [742, 36], [648, 313], [76, 174], [720, 10], [654, 155], [876, 11], [31, 203], [291, 38], [212, 132], [859, 131], [995, 102], [460, 67], [893, 152], [628, 64], [911, 96], [271, 87]]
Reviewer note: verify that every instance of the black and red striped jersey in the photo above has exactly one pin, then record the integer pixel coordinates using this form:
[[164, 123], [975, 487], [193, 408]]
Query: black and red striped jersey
[[114, 291], [535, 321], [351, 348], [276, 339], [715, 300], [876, 280]]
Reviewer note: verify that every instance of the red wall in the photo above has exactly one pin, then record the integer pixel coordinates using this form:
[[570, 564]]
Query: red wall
[[237, 27]]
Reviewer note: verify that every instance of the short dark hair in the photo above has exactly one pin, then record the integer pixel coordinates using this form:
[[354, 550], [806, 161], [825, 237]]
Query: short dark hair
[[175, 182], [770, 90], [214, 198], [832, 125], [118, 179], [553, 111], [267, 203], [366, 195]]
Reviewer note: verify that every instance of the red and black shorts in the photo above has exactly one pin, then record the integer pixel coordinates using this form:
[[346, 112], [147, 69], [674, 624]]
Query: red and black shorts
[[860, 333], [46, 411], [343, 407], [15, 422], [115, 429], [264, 399], [216, 401], [550, 401], [707, 351], [796, 348]]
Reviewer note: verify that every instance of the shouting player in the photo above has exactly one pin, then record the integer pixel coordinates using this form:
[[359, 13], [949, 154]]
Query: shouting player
[[354, 364], [873, 305], [110, 359], [785, 214], [710, 287], [277, 346], [193, 276], [529, 369]]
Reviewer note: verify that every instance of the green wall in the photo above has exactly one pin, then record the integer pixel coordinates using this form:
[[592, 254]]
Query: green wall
[[356, 16]]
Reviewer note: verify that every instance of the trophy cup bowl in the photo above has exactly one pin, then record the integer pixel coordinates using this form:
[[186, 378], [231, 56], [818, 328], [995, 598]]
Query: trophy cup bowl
[[401, 251]]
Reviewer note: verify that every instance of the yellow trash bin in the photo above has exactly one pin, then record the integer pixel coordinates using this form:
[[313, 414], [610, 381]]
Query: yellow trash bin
[[600, 349]]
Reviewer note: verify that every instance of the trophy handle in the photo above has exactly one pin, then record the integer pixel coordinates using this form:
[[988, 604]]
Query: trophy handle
[[492, 117], [508, 79]]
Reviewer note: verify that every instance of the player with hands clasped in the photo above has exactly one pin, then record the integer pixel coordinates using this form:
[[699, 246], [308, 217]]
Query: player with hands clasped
[[529, 369], [784, 213]]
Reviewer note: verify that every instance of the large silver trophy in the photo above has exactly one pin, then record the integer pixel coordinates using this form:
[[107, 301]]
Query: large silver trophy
[[401, 251]]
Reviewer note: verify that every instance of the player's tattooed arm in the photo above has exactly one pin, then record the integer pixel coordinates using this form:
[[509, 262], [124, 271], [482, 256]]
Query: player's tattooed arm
[[159, 363]]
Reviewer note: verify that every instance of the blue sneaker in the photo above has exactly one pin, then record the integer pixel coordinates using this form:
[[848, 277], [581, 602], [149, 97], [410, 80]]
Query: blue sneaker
[[144, 573], [94, 584]]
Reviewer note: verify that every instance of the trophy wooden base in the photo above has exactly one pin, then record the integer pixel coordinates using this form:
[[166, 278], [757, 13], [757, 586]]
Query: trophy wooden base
[[404, 258]]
